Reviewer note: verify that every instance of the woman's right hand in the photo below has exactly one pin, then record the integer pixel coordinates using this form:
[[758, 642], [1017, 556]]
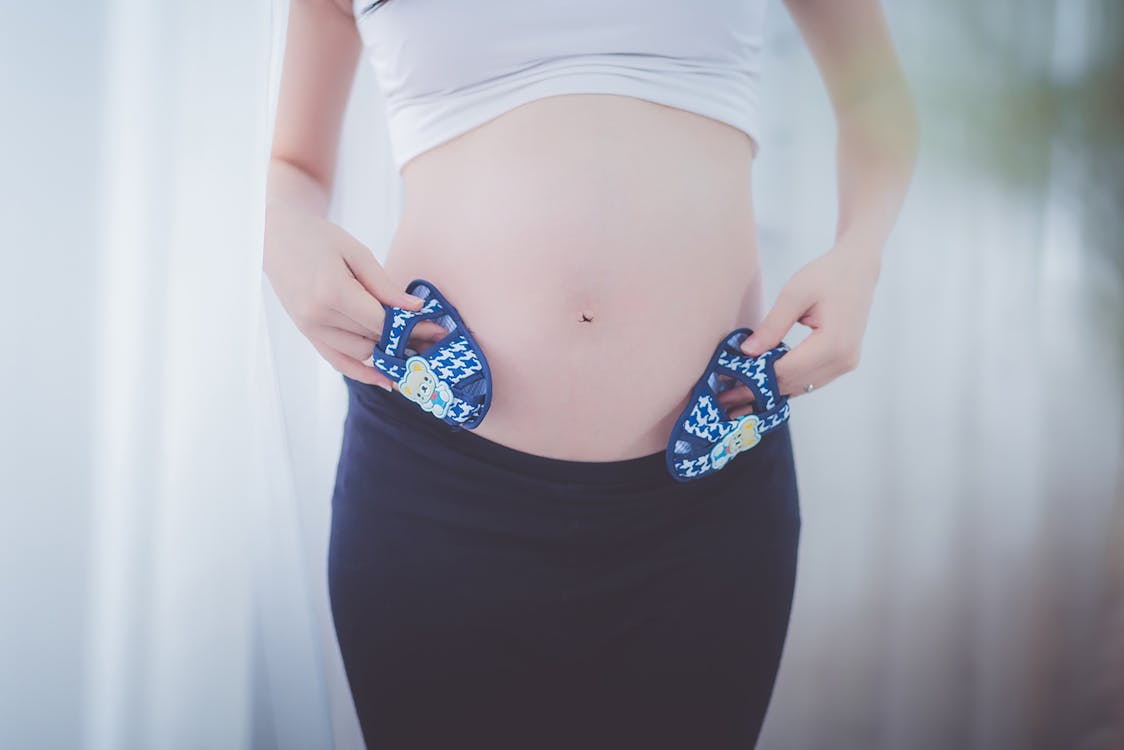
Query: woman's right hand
[[331, 286]]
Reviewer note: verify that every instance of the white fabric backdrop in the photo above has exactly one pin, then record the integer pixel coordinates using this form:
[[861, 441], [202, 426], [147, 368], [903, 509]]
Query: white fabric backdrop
[[132, 476], [169, 440]]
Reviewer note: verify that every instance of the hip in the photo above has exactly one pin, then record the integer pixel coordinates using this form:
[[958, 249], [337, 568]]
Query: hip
[[508, 591], [561, 557], [396, 459]]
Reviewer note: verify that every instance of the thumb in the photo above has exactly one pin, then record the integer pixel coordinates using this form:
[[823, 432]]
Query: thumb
[[375, 280], [785, 312]]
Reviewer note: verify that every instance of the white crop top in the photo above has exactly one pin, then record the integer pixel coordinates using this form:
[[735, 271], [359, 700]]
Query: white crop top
[[447, 66]]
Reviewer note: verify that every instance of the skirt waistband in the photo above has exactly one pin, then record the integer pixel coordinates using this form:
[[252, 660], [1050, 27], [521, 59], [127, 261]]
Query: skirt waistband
[[647, 472]]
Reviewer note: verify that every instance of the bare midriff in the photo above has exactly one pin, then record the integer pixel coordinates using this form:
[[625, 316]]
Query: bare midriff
[[598, 247]]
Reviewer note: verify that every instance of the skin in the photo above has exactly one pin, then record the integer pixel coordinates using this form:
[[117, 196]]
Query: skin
[[598, 245]]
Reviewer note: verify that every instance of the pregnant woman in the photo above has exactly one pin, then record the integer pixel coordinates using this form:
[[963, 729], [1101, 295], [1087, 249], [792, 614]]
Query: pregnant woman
[[577, 184]]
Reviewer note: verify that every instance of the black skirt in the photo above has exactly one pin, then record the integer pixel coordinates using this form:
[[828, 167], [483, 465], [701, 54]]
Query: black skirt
[[486, 597]]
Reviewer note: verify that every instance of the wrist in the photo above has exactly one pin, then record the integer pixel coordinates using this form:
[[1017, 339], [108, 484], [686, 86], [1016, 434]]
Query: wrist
[[860, 253]]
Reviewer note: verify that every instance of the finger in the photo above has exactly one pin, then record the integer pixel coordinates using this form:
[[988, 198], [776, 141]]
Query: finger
[[813, 361], [356, 303], [740, 411], [739, 394], [352, 368], [427, 330], [359, 348], [423, 331], [336, 319], [788, 309], [373, 277]]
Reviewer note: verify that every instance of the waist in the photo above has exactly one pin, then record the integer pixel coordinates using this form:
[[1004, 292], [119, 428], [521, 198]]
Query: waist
[[394, 435], [597, 269]]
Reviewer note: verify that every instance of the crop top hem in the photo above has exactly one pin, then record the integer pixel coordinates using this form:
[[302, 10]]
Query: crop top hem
[[420, 124]]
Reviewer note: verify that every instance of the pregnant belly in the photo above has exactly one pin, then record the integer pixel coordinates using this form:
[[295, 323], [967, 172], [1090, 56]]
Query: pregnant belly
[[598, 247]]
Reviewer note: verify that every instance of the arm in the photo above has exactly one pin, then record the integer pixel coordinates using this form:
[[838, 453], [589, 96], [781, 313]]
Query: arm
[[329, 283], [322, 49], [877, 148], [877, 123]]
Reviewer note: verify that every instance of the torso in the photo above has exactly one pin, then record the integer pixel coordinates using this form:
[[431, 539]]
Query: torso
[[635, 215]]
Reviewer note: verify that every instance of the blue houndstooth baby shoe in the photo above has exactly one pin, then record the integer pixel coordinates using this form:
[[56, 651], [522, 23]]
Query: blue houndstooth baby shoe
[[450, 379], [705, 437]]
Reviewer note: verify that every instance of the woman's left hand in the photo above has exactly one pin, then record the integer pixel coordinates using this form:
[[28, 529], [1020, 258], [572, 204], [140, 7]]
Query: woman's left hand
[[831, 295]]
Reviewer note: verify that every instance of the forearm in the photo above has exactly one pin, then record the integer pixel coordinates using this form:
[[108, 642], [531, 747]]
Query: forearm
[[876, 152], [878, 127], [877, 148]]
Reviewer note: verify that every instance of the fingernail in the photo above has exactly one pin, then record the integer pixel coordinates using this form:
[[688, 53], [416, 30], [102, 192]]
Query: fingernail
[[417, 299], [387, 387], [749, 346]]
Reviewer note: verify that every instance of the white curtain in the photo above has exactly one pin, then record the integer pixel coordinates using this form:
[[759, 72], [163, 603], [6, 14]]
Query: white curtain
[[158, 592], [168, 440]]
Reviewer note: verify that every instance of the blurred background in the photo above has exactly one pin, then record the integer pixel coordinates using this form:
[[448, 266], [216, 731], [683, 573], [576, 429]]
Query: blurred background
[[168, 439]]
